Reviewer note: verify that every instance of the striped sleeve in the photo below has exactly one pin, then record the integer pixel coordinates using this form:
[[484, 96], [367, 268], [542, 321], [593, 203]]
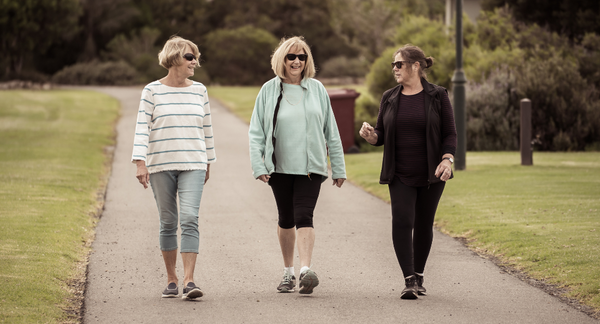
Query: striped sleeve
[[208, 131], [143, 126]]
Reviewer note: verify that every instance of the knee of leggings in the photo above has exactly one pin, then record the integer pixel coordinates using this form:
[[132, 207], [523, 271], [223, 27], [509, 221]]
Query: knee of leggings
[[286, 223], [306, 221]]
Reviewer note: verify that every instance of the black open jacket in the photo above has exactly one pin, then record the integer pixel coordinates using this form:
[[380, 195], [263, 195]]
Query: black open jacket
[[436, 145]]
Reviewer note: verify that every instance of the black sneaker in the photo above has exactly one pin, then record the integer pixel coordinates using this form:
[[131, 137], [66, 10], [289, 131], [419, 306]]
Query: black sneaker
[[411, 290], [308, 281], [420, 289], [171, 291], [288, 284], [191, 291]]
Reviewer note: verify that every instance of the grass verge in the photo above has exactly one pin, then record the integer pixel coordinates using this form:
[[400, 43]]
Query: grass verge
[[53, 171], [542, 219]]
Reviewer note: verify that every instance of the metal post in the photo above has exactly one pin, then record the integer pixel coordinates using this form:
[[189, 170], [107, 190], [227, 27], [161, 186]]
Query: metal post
[[526, 153], [459, 94]]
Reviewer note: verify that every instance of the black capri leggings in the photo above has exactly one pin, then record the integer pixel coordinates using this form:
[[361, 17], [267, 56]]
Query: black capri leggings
[[296, 197], [413, 208]]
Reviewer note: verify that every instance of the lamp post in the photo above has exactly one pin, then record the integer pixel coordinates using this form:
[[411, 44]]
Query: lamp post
[[459, 94]]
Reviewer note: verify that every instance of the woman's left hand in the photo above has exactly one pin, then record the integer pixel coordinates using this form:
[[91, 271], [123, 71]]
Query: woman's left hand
[[207, 173], [338, 182], [444, 170]]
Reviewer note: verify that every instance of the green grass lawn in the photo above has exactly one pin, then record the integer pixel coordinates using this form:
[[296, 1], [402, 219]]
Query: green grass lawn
[[543, 219], [52, 167]]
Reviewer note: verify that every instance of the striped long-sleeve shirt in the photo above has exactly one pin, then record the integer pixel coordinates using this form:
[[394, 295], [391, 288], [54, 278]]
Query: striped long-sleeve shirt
[[174, 128]]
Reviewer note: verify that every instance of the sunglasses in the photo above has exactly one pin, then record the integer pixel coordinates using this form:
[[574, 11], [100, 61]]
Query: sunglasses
[[190, 57], [398, 64], [292, 57]]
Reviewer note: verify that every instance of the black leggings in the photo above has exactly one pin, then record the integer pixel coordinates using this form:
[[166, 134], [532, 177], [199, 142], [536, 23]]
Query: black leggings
[[413, 208], [296, 197]]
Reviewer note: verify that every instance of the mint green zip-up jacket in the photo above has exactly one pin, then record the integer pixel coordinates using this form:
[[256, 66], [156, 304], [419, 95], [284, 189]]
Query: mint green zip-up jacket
[[321, 131]]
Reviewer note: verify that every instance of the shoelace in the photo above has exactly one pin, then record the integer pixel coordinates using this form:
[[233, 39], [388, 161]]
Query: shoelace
[[287, 280]]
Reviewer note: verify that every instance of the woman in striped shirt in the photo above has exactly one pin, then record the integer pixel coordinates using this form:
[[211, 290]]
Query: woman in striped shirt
[[173, 149]]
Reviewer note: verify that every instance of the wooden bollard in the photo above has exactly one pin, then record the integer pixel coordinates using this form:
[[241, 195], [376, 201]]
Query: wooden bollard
[[526, 151]]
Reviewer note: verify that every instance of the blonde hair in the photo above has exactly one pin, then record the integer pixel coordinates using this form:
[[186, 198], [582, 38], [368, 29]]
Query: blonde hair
[[278, 58], [173, 51]]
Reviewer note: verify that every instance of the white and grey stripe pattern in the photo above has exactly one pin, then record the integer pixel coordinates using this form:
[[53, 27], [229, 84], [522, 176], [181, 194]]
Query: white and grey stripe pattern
[[174, 128]]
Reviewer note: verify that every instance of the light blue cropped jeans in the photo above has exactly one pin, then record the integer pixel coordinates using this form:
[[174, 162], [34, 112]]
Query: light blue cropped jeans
[[166, 185]]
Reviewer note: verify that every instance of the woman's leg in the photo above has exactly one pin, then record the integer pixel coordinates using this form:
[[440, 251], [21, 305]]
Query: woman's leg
[[282, 186], [426, 206], [164, 187], [306, 194], [403, 199], [190, 186]]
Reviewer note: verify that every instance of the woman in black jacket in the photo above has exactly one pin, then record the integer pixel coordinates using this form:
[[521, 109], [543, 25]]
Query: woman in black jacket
[[416, 124]]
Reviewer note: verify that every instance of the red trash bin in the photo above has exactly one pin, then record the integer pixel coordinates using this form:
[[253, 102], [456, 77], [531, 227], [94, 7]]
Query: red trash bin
[[342, 101]]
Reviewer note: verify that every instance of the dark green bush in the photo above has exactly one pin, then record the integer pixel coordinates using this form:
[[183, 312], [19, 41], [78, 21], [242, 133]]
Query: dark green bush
[[97, 73], [492, 118], [139, 51], [239, 56], [366, 110], [342, 66], [565, 107]]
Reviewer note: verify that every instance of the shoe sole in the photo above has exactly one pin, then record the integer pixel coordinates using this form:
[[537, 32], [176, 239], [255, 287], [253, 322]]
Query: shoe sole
[[196, 293], [285, 290], [422, 293], [169, 296], [409, 295], [308, 282]]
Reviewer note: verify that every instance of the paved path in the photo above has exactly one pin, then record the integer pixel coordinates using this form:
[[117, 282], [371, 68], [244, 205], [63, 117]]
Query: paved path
[[239, 265]]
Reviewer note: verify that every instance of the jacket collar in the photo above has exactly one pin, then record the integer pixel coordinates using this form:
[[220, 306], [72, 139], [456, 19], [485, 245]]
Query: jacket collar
[[303, 83], [427, 87]]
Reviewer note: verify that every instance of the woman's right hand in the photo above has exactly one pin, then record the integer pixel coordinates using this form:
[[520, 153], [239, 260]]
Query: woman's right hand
[[142, 173], [264, 178], [368, 133]]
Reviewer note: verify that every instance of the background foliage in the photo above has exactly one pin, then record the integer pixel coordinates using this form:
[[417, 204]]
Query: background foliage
[[506, 60], [547, 51]]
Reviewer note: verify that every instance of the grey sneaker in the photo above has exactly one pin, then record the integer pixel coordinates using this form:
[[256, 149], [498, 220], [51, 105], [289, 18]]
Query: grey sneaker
[[191, 292], [410, 292], [171, 291], [420, 289], [288, 284], [308, 281]]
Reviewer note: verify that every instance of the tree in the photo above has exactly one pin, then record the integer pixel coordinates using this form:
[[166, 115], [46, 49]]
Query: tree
[[565, 17], [102, 20], [368, 26], [28, 28], [240, 56]]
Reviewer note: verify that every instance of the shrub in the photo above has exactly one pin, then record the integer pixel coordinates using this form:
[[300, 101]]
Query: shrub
[[139, 51], [240, 56], [97, 73], [342, 66], [381, 77], [492, 118], [565, 108], [366, 110]]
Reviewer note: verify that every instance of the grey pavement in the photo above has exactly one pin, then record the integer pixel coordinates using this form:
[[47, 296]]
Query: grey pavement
[[239, 265]]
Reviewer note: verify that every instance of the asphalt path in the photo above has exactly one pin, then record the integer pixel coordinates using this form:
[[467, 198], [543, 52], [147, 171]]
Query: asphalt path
[[239, 265]]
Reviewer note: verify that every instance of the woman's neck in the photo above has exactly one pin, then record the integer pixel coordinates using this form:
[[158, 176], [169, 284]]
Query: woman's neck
[[295, 81], [412, 87], [174, 79]]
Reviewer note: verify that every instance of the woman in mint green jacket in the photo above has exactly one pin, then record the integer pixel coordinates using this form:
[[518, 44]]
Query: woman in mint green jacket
[[291, 131]]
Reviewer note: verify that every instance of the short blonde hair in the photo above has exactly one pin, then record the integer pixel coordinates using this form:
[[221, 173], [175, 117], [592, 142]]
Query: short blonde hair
[[173, 51], [278, 58]]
